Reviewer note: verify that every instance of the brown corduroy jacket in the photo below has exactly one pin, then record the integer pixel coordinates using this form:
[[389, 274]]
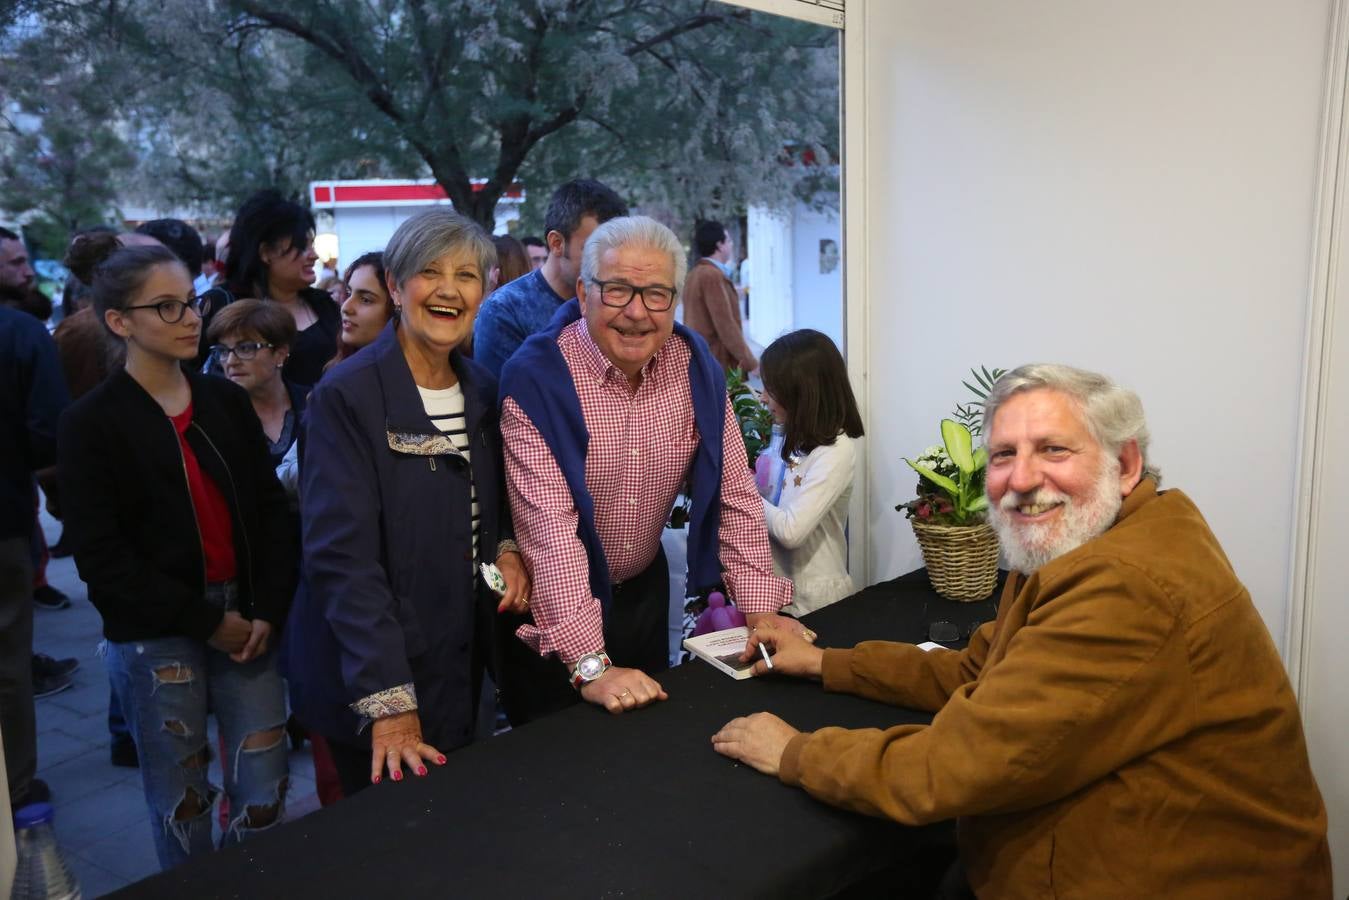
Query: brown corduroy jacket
[[1124, 729], [712, 308]]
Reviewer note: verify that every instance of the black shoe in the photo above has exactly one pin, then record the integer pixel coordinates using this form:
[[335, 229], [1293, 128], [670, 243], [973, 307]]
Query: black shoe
[[46, 666], [60, 550], [123, 753], [38, 792], [46, 685], [296, 732], [48, 597]]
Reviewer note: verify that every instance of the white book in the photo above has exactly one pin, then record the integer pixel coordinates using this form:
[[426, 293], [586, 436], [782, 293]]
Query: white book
[[722, 649]]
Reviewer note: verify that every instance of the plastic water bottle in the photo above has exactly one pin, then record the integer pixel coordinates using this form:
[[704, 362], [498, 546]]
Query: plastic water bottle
[[42, 872]]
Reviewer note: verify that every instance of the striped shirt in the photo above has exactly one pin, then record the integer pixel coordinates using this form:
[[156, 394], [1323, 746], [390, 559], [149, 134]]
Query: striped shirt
[[445, 409]]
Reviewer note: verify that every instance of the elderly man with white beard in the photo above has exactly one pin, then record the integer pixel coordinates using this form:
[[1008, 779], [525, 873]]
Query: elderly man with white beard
[[1125, 727]]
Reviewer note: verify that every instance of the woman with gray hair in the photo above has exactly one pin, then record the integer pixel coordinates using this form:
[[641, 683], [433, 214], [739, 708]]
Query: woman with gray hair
[[404, 514]]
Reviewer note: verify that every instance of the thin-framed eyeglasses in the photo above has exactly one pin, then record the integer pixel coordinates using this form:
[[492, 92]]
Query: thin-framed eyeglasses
[[655, 297], [171, 311], [245, 350]]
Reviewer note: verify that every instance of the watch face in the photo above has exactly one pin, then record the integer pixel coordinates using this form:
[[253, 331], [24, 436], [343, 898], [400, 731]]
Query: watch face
[[590, 666]]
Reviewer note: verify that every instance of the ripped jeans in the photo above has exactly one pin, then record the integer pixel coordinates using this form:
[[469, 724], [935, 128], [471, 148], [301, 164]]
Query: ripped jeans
[[167, 686]]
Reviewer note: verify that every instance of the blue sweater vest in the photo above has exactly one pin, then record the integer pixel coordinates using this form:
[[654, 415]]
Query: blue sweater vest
[[537, 377]]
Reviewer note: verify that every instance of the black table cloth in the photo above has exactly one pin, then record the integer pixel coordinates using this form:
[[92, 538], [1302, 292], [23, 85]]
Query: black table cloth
[[585, 804]]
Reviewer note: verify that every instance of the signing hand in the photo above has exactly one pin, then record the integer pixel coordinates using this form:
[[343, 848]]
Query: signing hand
[[232, 634], [259, 635], [792, 654], [619, 690], [766, 621], [759, 741], [396, 741], [512, 568]]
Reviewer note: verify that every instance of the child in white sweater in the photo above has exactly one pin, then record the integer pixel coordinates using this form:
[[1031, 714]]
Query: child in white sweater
[[809, 483]]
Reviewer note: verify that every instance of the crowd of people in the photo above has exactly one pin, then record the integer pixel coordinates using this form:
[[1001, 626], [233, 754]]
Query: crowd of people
[[375, 496], [346, 508]]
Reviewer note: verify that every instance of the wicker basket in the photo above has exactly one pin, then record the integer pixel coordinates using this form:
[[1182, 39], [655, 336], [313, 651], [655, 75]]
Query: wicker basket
[[962, 560]]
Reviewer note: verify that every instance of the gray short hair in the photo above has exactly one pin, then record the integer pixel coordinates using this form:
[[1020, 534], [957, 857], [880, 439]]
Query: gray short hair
[[1114, 415], [431, 234], [640, 230]]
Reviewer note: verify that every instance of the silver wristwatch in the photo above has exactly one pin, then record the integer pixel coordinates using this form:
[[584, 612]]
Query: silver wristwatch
[[589, 667]]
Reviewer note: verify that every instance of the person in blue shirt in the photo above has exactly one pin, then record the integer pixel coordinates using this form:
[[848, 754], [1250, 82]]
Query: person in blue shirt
[[526, 305]]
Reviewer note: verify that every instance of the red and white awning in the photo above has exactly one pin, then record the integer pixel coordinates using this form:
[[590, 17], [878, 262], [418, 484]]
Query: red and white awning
[[383, 192]]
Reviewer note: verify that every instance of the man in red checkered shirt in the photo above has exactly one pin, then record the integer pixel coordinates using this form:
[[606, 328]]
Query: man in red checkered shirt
[[601, 423]]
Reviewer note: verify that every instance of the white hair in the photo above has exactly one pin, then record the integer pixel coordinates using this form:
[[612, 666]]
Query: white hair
[[641, 231], [1113, 415]]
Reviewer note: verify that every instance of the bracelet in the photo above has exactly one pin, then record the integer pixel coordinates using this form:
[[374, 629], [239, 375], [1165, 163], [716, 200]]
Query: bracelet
[[506, 545]]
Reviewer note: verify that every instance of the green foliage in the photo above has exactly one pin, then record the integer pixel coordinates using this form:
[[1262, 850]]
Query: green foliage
[[686, 107], [756, 422], [60, 155], [955, 497], [971, 414]]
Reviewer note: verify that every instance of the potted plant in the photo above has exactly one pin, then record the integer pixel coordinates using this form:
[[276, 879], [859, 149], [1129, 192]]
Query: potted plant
[[756, 422], [960, 548]]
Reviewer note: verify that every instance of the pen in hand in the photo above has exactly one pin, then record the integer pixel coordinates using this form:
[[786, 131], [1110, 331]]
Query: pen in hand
[[767, 660]]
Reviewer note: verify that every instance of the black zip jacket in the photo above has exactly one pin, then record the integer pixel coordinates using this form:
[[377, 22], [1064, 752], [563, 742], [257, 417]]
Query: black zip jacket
[[130, 519], [32, 395]]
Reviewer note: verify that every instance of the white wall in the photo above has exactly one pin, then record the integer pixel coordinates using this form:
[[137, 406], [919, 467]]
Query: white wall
[[363, 229], [1320, 617], [787, 288], [817, 297], [1325, 685], [1126, 187], [769, 248]]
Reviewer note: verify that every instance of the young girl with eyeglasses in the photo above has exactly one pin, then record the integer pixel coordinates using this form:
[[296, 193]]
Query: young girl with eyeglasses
[[807, 484], [179, 529]]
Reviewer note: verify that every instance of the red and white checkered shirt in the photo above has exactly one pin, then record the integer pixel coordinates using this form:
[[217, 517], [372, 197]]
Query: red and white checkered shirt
[[642, 443]]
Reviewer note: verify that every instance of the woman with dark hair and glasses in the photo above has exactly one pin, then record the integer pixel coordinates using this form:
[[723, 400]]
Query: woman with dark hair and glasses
[[271, 257], [180, 530]]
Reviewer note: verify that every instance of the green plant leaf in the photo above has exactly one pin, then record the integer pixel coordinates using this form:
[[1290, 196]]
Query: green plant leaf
[[936, 478], [958, 445], [978, 504], [980, 458]]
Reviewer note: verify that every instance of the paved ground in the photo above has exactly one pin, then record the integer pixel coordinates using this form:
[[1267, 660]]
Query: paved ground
[[101, 819]]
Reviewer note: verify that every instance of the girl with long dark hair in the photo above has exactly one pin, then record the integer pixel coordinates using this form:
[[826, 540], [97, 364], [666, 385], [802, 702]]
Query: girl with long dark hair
[[179, 529], [806, 506]]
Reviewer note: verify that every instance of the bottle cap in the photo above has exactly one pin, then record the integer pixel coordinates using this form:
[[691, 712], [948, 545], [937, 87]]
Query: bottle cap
[[33, 814]]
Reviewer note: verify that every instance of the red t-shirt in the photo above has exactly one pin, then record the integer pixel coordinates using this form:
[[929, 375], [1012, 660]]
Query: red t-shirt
[[213, 513]]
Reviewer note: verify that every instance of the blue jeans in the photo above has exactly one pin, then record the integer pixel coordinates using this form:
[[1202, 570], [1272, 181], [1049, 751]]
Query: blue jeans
[[166, 687]]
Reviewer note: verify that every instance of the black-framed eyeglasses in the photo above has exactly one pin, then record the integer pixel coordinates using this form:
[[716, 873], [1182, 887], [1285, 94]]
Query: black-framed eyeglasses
[[245, 350], [655, 297], [171, 311]]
